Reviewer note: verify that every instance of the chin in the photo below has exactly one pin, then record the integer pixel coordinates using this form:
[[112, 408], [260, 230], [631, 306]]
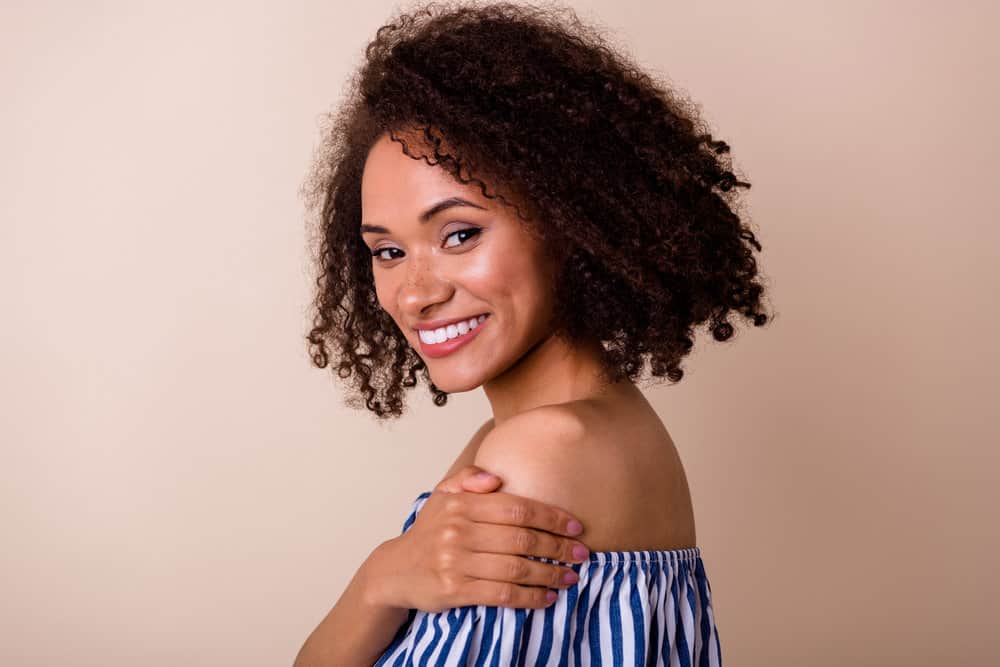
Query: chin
[[453, 384]]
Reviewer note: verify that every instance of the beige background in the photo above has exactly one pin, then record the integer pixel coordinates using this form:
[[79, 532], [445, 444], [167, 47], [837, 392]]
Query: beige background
[[181, 487]]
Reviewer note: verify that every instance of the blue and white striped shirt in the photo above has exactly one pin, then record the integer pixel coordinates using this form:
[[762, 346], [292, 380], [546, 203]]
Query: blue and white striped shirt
[[650, 608]]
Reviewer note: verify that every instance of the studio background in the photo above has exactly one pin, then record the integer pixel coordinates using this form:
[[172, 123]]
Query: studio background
[[179, 486]]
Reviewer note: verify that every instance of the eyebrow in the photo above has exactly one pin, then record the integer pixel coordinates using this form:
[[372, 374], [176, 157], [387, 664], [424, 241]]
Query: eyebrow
[[426, 215]]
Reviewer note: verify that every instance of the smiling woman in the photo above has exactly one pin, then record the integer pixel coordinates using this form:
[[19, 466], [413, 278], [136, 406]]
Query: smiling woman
[[452, 258], [505, 202]]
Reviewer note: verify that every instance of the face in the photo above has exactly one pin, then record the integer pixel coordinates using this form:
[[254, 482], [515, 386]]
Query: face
[[444, 254]]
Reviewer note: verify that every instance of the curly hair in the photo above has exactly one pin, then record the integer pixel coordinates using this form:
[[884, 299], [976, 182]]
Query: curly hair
[[632, 191]]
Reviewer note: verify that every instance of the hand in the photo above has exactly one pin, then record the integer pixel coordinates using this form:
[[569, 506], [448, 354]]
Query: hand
[[467, 547]]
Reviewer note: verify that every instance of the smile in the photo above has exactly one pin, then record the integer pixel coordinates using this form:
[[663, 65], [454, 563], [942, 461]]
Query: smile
[[445, 340]]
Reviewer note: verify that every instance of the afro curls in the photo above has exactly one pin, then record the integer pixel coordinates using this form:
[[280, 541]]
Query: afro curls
[[638, 200]]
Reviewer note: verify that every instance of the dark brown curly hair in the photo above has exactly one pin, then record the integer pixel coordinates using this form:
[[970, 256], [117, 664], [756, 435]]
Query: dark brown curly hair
[[635, 198]]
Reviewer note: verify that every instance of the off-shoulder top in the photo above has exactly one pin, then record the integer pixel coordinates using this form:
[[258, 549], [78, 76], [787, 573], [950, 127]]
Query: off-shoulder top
[[628, 608]]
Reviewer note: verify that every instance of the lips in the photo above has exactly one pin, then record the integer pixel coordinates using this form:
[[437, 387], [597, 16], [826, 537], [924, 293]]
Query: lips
[[437, 324], [437, 350]]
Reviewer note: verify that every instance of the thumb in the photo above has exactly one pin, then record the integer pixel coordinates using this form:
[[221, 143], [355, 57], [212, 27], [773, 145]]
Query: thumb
[[470, 478]]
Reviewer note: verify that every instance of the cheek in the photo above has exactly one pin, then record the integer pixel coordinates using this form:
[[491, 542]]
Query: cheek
[[487, 272], [384, 293], [534, 290], [509, 279]]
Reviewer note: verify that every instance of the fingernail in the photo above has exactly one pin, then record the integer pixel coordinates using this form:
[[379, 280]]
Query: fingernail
[[551, 595], [571, 578], [580, 552], [483, 475], [574, 527]]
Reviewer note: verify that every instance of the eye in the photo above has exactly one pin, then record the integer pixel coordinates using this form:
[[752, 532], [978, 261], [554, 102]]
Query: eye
[[472, 231], [378, 254], [469, 231]]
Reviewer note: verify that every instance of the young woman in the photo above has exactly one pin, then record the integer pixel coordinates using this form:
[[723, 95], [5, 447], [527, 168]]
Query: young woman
[[507, 203]]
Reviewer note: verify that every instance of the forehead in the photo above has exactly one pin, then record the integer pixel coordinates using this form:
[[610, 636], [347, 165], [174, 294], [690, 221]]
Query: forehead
[[392, 179]]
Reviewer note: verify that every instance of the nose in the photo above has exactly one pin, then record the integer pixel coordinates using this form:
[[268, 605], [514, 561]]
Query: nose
[[423, 287]]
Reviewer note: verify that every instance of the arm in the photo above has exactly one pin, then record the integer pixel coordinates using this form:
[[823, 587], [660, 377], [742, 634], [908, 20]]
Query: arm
[[358, 629]]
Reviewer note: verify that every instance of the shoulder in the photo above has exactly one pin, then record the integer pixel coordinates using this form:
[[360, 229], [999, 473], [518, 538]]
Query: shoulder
[[468, 455], [606, 465], [541, 453], [564, 422]]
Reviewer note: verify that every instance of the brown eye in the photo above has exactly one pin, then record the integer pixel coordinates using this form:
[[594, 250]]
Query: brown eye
[[378, 254], [472, 231]]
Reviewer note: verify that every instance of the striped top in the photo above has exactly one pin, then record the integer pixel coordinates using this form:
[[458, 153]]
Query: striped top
[[649, 608]]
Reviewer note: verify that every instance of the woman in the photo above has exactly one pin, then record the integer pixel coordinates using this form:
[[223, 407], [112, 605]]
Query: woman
[[508, 203]]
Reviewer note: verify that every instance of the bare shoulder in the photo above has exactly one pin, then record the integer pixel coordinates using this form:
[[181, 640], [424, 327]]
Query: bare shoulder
[[614, 468], [540, 454], [468, 455], [562, 423]]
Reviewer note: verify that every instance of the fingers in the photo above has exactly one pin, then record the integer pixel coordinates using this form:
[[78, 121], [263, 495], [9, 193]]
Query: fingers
[[519, 570], [484, 545], [504, 508], [469, 479], [504, 594], [481, 482], [522, 541]]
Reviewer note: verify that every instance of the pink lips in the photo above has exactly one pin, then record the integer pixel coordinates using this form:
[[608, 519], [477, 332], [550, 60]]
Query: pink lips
[[437, 350]]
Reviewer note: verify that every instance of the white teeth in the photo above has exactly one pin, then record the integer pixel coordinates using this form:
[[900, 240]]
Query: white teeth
[[441, 334]]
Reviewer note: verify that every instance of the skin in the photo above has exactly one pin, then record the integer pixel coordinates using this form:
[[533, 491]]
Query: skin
[[559, 433]]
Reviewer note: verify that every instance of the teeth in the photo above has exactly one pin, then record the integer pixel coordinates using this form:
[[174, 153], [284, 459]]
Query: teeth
[[442, 334]]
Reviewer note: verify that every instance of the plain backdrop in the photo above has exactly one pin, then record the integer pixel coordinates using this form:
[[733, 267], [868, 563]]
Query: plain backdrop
[[181, 487]]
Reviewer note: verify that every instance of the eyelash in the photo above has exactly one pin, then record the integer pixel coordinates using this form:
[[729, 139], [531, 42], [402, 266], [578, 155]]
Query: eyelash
[[475, 231]]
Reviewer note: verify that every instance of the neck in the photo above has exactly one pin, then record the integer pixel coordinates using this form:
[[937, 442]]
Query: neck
[[551, 372]]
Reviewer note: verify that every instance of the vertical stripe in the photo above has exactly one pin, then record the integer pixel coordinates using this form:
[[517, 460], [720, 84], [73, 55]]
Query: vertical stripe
[[672, 638], [593, 587], [469, 638], [566, 618], [637, 614], [615, 618], [435, 641], [522, 654], [488, 626], [421, 629], [704, 622], [686, 619], [546, 647], [654, 659], [648, 608], [596, 620]]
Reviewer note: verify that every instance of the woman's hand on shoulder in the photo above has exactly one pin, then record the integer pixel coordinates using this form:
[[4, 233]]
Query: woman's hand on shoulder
[[470, 478], [467, 547]]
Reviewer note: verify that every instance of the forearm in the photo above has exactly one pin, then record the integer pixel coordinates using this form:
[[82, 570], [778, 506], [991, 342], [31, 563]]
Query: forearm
[[359, 627]]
